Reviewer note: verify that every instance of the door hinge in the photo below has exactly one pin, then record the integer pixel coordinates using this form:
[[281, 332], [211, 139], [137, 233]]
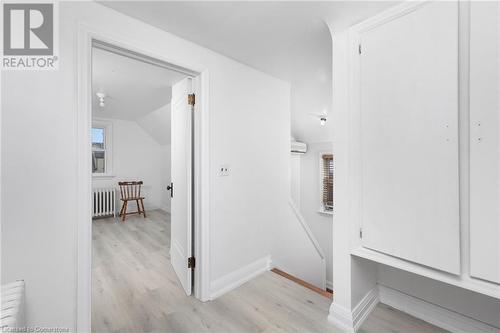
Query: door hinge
[[360, 233], [191, 99], [359, 48], [191, 262]]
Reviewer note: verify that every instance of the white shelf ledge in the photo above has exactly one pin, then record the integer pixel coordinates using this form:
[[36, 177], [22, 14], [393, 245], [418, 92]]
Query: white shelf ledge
[[462, 281]]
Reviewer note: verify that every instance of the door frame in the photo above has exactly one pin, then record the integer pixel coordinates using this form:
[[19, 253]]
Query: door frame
[[201, 154]]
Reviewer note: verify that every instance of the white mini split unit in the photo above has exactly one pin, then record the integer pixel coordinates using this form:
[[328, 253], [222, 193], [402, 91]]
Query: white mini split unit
[[298, 147]]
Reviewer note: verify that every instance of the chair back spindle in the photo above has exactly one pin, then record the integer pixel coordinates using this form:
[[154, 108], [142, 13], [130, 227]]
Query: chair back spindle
[[130, 190]]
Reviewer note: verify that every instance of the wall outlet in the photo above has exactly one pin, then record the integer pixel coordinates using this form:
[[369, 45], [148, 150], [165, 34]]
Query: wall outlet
[[224, 170]]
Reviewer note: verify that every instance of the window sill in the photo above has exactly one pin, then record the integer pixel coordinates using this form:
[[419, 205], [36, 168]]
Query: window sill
[[325, 212], [102, 176]]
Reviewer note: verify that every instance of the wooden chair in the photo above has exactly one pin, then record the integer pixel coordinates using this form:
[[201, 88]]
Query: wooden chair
[[131, 191]]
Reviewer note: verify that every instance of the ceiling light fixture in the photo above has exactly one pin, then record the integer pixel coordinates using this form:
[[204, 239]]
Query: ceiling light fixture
[[101, 97], [322, 116]]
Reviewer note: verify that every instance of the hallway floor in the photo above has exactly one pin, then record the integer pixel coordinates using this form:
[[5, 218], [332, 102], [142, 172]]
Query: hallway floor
[[135, 290]]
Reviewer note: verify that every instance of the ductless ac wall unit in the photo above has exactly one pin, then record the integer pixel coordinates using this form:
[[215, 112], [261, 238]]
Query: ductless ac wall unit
[[298, 147]]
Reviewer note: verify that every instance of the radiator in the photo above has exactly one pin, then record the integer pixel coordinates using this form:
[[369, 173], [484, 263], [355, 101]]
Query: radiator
[[12, 310], [103, 202]]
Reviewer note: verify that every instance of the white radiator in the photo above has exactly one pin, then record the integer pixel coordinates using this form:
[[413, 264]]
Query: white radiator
[[12, 310], [103, 202]]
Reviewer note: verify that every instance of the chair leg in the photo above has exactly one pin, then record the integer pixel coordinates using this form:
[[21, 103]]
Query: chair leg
[[124, 211], [143, 210], [138, 207]]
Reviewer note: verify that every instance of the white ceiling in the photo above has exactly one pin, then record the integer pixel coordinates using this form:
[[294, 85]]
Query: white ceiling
[[288, 40], [133, 88]]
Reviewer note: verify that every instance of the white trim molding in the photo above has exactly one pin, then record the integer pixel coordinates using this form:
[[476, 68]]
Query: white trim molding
[[351, 321], [431, 313], [363, 309], [341, 318], [306, 228], [329, 284], [238, 277], [83, 234]]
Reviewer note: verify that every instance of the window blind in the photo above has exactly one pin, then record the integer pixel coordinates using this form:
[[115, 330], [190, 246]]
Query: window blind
[[327, 176]]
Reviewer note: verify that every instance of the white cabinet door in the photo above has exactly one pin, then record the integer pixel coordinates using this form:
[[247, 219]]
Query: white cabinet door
[[409, 137], [485, 141]]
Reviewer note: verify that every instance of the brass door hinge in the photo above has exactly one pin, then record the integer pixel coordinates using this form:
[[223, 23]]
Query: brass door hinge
[[191, 99], [191, 262]]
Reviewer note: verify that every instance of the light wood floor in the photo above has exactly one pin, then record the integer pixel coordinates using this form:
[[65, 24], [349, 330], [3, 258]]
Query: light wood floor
[[135, 290]]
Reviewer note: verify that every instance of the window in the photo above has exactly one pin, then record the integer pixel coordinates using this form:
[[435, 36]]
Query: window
[[327, 182], [101, 149], [98, 150]]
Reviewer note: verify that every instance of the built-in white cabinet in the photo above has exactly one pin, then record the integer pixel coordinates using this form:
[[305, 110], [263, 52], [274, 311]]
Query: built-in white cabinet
[[485, 140], [409, 137], [425, 145]]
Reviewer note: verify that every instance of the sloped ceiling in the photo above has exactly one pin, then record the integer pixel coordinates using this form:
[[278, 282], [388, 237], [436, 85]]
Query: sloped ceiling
[[136, 91], [288, 40], [157, 124], [133, 88]]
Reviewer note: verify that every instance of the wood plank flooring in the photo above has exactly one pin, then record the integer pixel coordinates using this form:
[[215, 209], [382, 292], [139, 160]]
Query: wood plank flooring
[[135, 290]]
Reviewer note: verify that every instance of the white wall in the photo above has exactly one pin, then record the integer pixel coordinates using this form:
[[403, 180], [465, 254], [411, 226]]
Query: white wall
[[157, 124], [249, 130], [295, 162], [296, 251], [310, 189], [137, 156]]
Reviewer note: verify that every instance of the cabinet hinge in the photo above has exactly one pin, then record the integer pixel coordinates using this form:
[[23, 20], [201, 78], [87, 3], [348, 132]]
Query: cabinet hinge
[[191, 99], [191, 262], [359, 48], [360, 233]]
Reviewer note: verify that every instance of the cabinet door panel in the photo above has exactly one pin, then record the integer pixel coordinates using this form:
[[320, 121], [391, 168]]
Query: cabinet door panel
[[409, 137], [484, 141]]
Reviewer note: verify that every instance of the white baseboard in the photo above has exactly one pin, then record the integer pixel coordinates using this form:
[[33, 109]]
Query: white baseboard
[[236, 278], [341, 317], [351, 321], [363, 309], [431, 313]]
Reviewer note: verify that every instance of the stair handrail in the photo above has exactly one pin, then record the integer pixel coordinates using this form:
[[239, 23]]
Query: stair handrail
[[306, 228]]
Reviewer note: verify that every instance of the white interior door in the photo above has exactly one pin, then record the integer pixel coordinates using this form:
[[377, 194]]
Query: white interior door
[[181, 174], [409, 137], [485, 141]]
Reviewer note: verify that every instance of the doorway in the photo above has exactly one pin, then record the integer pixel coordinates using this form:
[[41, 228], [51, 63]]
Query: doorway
[[187, 240]]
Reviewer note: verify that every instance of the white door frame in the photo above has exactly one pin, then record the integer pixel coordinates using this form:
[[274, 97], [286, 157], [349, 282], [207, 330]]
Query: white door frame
[[83, 236]]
